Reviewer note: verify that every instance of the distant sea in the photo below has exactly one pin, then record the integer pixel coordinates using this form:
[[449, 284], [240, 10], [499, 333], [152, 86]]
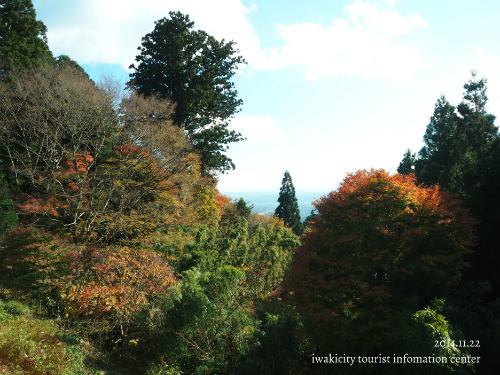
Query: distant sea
[[265, 202]]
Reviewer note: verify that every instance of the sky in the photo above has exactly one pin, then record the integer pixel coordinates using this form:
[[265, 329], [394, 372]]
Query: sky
[[331, 86]]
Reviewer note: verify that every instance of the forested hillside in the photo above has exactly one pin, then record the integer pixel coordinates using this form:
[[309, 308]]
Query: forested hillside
[[118, 254]]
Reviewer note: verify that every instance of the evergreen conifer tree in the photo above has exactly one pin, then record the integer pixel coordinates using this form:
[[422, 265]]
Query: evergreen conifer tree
[[462, 154], [23, 39], [194, 70], [407, 165], [288, 208]]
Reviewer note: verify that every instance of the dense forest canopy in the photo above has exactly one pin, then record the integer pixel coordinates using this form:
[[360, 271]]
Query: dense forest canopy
[[118, 254]]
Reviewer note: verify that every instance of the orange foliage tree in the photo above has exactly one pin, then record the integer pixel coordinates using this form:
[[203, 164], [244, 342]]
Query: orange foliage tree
[[116, 281], [99, 172], [83, 281], [381, 246], [115, 179]]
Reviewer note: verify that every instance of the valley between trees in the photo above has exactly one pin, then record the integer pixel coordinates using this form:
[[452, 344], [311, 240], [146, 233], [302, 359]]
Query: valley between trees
[[118, 254]]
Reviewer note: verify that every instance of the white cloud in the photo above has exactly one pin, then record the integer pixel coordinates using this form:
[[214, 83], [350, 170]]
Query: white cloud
[[387, 22], [267, 177], [352, 49], [109, 31], [480, 50], [342, 50], [258, 128], [391, 3]]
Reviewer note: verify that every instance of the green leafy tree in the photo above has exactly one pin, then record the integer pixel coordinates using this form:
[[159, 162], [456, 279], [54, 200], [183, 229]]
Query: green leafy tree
[[194, 70], [235, 211], [243, 208], [262, 245], [462, 155], [312, 217], [23, 39], [214, 321], [407, 165], [226, 306], [288, 208], [477, 312], [436, 159], [65, 60], [457, 139], [279, 351]]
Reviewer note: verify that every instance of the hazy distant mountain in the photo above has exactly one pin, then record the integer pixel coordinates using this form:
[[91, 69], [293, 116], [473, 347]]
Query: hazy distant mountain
[[266, 201]]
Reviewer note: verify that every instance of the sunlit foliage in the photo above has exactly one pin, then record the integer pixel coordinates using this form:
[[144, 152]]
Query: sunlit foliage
[[81, 169], [381, 247]]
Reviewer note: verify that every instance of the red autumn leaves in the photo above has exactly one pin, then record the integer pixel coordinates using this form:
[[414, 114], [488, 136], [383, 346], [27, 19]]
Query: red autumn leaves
[[381, 242]]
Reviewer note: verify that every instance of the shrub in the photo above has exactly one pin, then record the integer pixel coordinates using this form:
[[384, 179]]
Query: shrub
[[28, 345]]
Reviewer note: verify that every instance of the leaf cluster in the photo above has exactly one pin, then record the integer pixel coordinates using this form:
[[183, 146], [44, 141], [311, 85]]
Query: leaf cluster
[[381, 247]]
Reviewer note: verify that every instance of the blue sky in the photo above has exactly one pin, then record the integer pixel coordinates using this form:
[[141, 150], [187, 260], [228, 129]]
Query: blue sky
[[330, 86]]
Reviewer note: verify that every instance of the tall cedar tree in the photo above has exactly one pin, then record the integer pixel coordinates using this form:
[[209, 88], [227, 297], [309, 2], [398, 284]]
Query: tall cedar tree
[[453, 140], [194, 70], [462, 154], [22, 37], [288, 208]]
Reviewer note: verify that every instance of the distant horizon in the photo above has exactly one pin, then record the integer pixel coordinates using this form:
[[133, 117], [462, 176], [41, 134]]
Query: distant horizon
[[266, 201], [269, 190]]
